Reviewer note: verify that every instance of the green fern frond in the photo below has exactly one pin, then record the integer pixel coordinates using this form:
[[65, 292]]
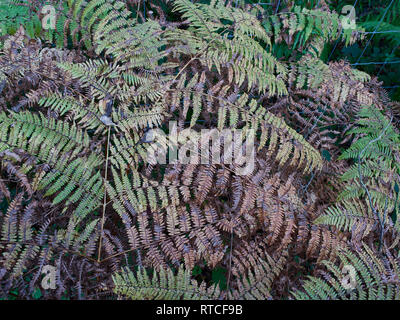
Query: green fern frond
[[41, 135], [374, 278], [238, 48], [164, 285], [78, 21], [375, 152], [257, 283], [56, 144]]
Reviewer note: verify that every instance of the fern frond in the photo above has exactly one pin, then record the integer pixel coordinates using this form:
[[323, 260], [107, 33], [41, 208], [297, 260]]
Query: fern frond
[[164, 285], [257, 281], [375, 278], [236, 48], [57, 144]]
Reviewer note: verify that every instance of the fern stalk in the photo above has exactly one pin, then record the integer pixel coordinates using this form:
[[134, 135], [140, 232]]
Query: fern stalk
[[105, 197]]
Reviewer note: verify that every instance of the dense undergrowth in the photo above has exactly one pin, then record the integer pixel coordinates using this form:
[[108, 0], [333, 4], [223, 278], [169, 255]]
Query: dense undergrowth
[[314, 218]]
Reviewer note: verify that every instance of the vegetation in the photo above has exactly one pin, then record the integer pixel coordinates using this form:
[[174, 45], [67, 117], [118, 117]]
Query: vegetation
[[80, 191]]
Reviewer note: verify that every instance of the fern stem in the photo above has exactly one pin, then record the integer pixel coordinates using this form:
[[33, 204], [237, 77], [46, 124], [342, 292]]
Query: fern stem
[[105, 196], [230, 264]]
